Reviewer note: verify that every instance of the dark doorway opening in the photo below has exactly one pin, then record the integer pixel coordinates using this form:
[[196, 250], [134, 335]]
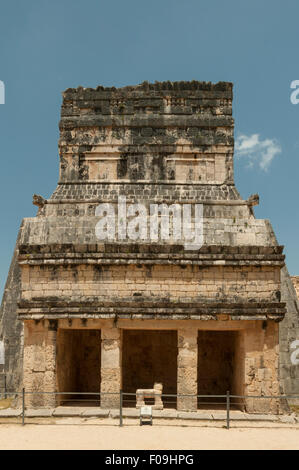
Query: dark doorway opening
[[149, 356], [79, 366], [219, 367]]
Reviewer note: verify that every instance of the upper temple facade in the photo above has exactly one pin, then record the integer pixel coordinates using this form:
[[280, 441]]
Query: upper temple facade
[[138, 307]]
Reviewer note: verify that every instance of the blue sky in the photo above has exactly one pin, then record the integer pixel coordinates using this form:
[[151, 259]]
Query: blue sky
[[47, 46]]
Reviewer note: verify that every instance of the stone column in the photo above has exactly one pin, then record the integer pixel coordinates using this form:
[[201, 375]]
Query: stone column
[[111, 377], [50, 380], [261, 345], [187, 369], [27, 364], [39, 366]]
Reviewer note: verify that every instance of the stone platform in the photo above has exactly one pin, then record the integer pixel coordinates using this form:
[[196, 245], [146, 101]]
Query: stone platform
[[167, 414]]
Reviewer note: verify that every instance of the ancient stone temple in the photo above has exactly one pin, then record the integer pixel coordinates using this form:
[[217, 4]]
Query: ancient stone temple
[[106, 301]]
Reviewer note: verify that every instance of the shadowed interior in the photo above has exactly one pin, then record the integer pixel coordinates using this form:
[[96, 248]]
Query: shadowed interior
[[149, 356], [79, 365], [219, 364]]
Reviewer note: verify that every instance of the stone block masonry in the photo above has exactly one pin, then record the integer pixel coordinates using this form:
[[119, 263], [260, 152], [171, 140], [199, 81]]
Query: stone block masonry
[[295, 280], [99, 315], [111, 371]]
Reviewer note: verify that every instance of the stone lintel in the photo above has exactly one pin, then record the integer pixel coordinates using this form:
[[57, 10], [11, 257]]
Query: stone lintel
[[119, 262], [150, 250], [51, 308]]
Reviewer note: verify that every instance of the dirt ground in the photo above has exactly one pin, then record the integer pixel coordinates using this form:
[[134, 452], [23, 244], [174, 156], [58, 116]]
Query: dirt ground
[[162, 437]]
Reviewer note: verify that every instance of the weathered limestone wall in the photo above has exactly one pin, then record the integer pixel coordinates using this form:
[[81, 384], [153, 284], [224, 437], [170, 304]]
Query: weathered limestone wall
[[40, 363], [224, 224], [11, 328], [289, 337], [295, 280], [184, 127], [237, 283], [187, 369], [261, 349], [163, 142], [288, 333], [238, 383], [111, 366]]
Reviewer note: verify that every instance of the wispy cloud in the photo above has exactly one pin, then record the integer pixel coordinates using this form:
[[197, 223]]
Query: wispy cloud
[[256, 150]]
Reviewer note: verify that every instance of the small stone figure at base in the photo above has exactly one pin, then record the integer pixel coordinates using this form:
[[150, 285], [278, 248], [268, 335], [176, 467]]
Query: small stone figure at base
[[155, 392]]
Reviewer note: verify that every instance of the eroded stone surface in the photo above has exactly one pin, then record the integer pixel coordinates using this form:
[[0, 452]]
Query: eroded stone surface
[[153, 143]]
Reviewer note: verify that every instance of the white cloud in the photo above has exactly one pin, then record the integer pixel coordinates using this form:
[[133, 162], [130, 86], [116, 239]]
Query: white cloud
[[257, 151]]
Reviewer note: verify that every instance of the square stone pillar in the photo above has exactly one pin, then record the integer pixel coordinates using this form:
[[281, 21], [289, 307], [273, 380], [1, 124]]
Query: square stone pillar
[[261, 347], [187, 369], [111, 376], [39, 365], [50, 379]]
